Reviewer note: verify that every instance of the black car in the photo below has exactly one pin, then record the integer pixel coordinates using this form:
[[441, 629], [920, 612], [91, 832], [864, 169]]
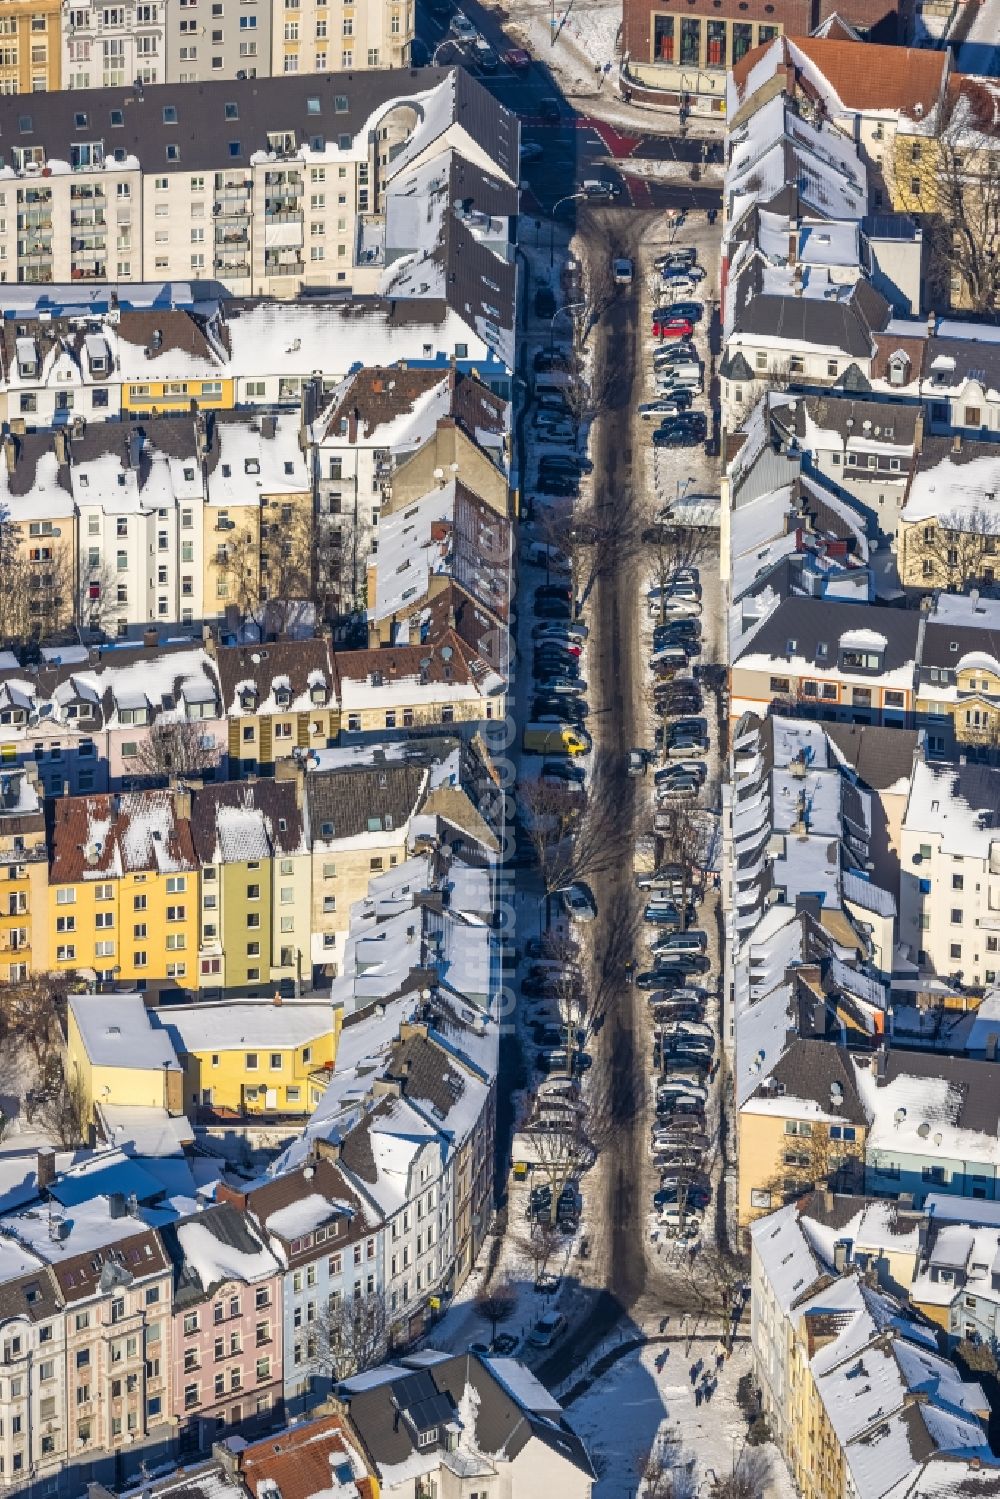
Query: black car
[[547, 360], [572, 461], [564, 770], [697, 1197], [672, 436], [545, 302], [556, 484], [552, 609], [569, 709], [693, 311]]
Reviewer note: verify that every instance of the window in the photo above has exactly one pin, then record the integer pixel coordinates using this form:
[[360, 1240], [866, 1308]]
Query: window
[[956, 916], [251, 1061]]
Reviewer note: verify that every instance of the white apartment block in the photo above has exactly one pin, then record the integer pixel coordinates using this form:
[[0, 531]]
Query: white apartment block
[[193, 41], [269, 188], [950, 872]]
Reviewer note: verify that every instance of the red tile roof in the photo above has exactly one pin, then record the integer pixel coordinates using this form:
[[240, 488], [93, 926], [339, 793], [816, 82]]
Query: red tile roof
[[300, 1461], [868, 77], [115, 835]]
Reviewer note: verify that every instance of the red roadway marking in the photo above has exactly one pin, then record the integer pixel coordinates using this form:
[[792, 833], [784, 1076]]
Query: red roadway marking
[[638, 191], [618, 145]]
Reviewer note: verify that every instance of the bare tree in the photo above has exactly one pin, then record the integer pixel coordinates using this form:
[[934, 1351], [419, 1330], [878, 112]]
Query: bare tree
[[663, 1472], [540, 1243], [749, 1478], [572, 840], [287, 559], [575, 1135], [356, 1329], [963, 196], [31, 1011], [496, 1303], [180, 748], [36, 585], [685, 830], [668, 550], [64, 1113], [716, 1280], [954, 550]]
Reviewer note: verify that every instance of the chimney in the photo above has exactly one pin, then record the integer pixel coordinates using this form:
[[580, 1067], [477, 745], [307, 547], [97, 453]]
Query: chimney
[[182, 802], [45, 1169], [150, 639], [276, 998], [61, 445], [793, 244], [931, 324], [956, 443], [840, 1256], [10, 452]]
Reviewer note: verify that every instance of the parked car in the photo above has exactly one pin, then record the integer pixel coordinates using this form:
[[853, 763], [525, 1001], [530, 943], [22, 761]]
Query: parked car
[[666, 325], [545, 302], [666, 406], [682, 255], [578, 902], [517, 58], [563, 770], [674, 355], [674, 436], [547, 1329], [576, 631], [693, 1196]]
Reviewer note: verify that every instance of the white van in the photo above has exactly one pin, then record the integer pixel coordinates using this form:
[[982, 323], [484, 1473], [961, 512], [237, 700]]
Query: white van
[[686, 376]]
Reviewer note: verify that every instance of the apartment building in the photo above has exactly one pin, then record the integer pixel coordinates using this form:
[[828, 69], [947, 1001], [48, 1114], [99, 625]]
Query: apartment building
[[845, 662], [958, 683], [378, 419], [329, 1241], [405, 1420], [950, 872], [24, 936], [949, 535], [123, 880], [279, 698], [163, 42], [256, 887], [30, 47], [360, 822], [815, 1324], [267, 187], [226, 1333]]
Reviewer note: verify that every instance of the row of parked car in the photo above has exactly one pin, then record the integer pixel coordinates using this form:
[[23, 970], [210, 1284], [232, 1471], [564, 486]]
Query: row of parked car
[[677, 367], [676, 968]]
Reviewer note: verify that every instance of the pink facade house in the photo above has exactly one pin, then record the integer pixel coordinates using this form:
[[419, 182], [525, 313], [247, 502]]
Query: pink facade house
[[226, 1353]]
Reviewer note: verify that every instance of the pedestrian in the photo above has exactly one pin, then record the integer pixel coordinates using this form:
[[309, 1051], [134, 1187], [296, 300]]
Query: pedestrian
[[664, 1324], [697, 1396]]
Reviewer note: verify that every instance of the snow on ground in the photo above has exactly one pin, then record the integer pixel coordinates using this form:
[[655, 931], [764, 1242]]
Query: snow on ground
[[980, 52], [585, 36], [636, 1403]]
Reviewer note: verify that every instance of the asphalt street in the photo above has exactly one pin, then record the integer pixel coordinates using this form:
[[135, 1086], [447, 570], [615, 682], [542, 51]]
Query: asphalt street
[[575, 147]]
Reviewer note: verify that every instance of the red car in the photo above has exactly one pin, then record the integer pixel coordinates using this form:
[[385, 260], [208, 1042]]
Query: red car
[[516, 57], [672, 327]]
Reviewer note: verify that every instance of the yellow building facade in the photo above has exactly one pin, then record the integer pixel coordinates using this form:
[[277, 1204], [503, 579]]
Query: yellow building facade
[[30, 46], [174, 397], [119, 1057], [253, 1057]]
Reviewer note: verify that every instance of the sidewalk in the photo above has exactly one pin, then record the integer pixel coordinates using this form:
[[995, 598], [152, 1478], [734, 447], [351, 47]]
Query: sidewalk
[[586, 44]]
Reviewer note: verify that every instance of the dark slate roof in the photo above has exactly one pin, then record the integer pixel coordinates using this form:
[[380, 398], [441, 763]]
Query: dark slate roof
[[280, 824], [845, 324], [881, 757], [28, 450], [502, 1424], [975, 359], [940, 637], [295, 660], [356, 1149], [811, 622], [34, 1296], [352, 799], [206, 138], [974, 1080], [956, 452], [847, 417], [143, 1254], [321, 1178], [426, 1074], [230, 1228], [809, 1068]]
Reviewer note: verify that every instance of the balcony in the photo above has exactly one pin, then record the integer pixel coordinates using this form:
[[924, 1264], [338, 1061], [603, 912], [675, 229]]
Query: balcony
[[81, 193], [89, 272], [87, 218], [233, 236], [37, 222], [33, 195], [275, 267]]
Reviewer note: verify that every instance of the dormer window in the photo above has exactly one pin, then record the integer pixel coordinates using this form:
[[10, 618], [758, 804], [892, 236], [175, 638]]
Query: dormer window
[[861, 661], [427, 1438], [791, 646], [248, 698], [899, 366], [282, 696]]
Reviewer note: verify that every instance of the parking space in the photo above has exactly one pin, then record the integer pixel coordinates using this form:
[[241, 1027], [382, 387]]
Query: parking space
[[677, 765]]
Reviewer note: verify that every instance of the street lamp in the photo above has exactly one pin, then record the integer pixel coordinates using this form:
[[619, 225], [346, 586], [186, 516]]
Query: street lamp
[[567, 307], [552, 223]]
